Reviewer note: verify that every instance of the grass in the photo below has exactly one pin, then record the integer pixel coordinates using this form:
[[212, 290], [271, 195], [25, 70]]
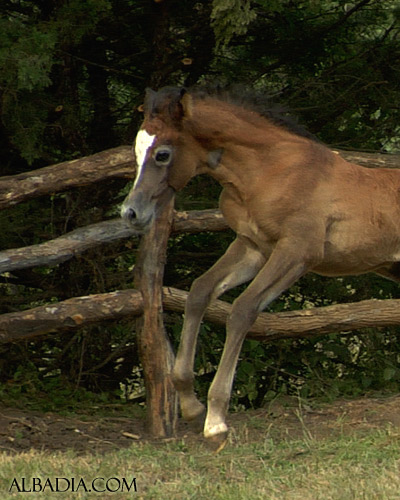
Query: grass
[[256, 464]]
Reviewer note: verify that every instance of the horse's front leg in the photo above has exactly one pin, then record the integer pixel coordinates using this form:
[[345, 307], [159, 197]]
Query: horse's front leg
[[278, 274], [239, 264]]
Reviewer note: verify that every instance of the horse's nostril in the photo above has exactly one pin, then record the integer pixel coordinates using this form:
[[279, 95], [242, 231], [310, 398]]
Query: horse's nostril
[[128, 213], [131, 214]]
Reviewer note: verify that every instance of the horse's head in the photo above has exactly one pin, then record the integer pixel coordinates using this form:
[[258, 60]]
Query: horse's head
[[167, 154]]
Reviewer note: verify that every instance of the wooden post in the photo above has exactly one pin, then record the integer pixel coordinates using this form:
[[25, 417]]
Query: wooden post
[[155, 350]]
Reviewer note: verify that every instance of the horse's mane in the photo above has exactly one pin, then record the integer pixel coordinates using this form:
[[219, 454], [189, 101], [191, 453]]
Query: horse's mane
[[252, 100], [236, 95]]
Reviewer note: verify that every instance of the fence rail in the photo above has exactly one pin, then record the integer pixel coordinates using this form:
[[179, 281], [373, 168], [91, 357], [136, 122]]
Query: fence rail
[[112, 163], [77, 312], [69, 245]]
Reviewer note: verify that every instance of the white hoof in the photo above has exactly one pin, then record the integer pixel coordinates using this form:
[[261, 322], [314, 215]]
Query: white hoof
[[215, 430]]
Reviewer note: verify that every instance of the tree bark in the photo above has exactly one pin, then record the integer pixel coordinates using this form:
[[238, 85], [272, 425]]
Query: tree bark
[[76, 242], [81, 311], [64, 247], [155, 350], [116, 162], [69, 315], [371, 160], [339, 318]]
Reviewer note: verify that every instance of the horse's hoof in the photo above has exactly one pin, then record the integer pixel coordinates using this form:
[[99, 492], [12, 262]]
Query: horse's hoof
[[217, 442], [216, 436]]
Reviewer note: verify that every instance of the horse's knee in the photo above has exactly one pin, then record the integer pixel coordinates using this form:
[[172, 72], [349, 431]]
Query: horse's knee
[[199, 295], [182, 377], [242, 316]]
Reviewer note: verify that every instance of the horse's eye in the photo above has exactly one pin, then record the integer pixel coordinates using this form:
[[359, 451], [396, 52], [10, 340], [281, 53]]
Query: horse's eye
[[163, 156]]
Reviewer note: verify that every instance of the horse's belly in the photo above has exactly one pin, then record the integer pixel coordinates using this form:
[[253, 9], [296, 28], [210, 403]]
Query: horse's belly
[[358, 253]]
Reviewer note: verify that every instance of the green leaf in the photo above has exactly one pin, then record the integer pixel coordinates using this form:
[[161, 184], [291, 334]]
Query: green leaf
[[229, 18], [388, 373]]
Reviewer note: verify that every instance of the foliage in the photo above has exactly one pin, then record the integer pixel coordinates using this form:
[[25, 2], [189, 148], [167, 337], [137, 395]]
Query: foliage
[[72, 74], [32, 53], [28, 390], [70, 71], [229, 18]]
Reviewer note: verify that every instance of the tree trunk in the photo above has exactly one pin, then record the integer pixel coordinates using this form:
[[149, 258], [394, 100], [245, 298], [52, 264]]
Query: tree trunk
[[155, 350]]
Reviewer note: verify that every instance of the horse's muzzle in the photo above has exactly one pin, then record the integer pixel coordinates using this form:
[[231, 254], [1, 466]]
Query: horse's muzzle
[[140, 219], [140, 210]]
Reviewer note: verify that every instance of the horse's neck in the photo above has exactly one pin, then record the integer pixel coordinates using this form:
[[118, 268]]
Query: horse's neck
[[250, 144], [222, 124]]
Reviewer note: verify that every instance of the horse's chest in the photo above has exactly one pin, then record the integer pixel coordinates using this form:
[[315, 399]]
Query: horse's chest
[[245, 226], [246, 221]]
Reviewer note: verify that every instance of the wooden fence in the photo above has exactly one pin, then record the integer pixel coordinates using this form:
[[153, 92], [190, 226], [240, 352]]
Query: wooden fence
[[149, 297]]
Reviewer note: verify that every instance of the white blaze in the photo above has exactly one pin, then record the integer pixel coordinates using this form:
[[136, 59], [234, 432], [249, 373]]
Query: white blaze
[[143, 142]]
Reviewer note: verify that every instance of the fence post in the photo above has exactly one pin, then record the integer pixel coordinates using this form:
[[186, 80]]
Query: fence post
[[155, 350]]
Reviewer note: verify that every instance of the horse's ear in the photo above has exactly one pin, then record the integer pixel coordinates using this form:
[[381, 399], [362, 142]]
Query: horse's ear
[[149, 100], [178, 105], [187, 105], [170, 102]]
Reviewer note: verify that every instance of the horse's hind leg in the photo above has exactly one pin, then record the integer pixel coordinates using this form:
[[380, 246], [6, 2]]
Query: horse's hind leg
[[239, 264]]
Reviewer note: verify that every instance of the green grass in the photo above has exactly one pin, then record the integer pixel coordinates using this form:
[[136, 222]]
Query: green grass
[[361, 465]]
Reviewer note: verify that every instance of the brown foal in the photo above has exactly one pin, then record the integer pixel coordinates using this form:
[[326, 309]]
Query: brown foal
[[294, 205]]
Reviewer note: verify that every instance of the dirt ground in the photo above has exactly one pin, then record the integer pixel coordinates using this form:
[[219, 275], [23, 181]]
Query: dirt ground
[[22, 430]]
